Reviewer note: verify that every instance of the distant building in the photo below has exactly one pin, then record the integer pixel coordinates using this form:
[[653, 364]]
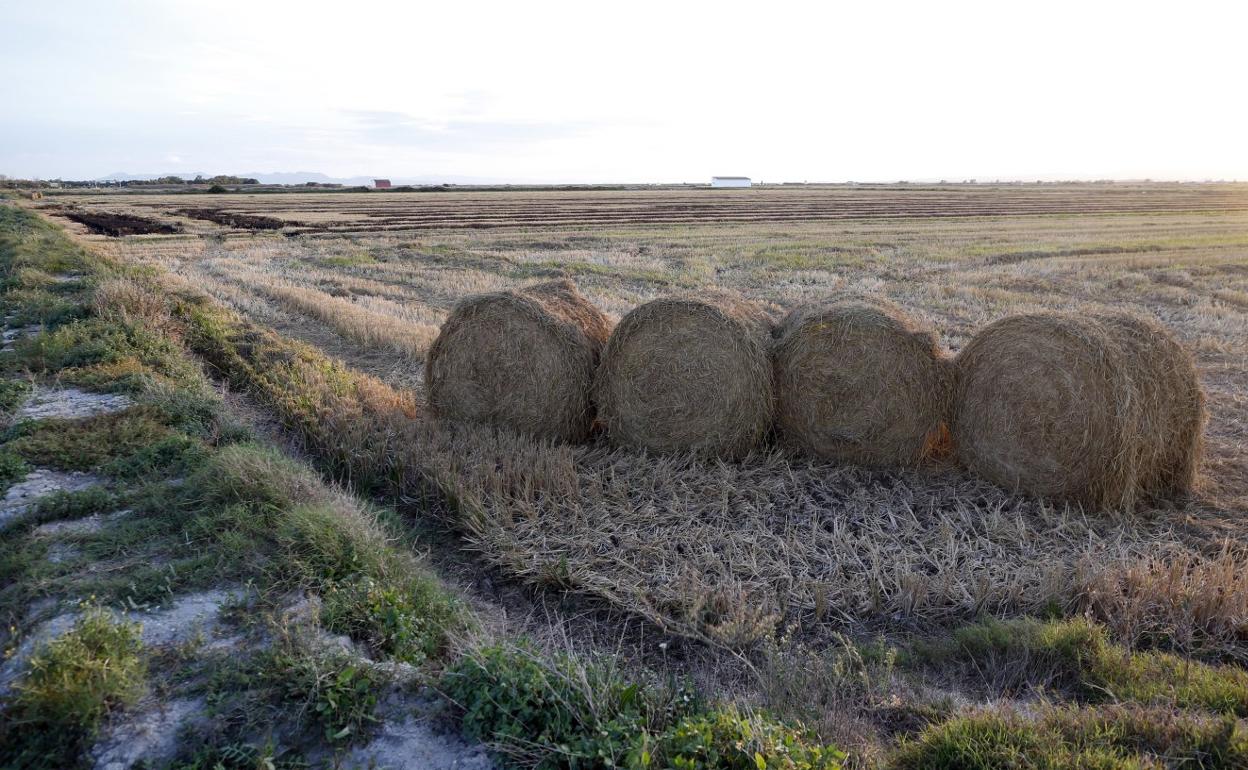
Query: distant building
[[730, 181], [381, 184]]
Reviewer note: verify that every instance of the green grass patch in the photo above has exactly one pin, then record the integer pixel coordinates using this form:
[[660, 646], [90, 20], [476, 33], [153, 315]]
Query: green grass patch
[[347, 260], [12, 394], [88, 444], [28, 241], [565, 714], [1108, 738], [30, 307], [71, 684], [1076, 656], [254, 499], [93, 342]]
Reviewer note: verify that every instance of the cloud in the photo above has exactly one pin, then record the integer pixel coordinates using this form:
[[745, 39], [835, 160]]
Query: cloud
[[379, 127]]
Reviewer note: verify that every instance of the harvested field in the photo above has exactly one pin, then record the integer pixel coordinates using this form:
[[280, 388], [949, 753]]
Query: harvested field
[[373, 212], [1177, 254]]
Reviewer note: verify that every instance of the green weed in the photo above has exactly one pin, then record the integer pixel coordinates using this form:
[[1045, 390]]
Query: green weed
[[564, 714], [1110, 738], [72, 683], [84, 445], [1076, 655], [12, 394]]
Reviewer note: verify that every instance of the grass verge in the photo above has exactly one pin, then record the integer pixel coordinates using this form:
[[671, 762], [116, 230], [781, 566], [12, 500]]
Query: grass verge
[[207, 506]]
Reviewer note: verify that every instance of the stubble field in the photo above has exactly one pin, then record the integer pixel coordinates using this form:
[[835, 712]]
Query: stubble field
[[777, 549]]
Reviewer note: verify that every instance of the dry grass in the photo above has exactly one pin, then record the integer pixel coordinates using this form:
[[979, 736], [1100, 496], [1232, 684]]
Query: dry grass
[[371, 321]]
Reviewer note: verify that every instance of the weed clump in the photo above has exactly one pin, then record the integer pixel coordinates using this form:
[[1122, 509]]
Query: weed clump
[[70, 685], [564, 714]]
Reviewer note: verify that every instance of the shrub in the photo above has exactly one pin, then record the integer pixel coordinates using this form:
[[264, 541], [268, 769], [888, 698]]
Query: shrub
[[337, 693], [524, 707], [12, 469], [407, 621]]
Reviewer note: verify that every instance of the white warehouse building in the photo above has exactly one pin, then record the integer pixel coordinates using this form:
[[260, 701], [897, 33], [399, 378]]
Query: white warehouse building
[[730, 181]]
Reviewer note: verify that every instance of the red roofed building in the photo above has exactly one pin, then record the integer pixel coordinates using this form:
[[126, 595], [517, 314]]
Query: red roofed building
[[381, 184]]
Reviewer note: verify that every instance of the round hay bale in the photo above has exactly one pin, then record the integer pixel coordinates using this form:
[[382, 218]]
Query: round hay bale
[[1103, 409], [859, 381], [689, 373], [523, 360]]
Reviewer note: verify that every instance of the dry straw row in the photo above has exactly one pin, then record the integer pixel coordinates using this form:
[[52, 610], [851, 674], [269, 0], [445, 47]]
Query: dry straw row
[[1103, 409]]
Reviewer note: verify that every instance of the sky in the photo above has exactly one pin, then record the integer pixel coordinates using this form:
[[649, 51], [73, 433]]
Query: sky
[[634, 91]]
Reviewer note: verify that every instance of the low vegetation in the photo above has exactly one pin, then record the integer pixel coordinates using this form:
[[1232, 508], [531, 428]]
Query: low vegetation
[[73, 683], [567, 713], [1075, 658]]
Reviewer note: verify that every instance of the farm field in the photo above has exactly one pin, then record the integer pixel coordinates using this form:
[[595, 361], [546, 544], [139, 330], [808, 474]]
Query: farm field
[[372, 212], [777, 582], [957, 257]]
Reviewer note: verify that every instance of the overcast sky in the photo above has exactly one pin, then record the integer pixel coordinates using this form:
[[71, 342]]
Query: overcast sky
[[632, 91]]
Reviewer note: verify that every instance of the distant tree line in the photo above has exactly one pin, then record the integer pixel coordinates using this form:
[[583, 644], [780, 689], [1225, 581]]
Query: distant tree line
[[220, 180]]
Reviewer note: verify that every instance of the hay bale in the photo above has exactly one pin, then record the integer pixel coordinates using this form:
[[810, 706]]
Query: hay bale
[[689, 373], [1103, 409], [859, 381], [523, 360]]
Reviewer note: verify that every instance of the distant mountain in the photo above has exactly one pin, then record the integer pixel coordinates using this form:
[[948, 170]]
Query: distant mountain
[[303, 177]]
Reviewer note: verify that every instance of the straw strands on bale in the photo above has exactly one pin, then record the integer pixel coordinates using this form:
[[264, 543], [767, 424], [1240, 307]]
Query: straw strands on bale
[[859, 381], [689, 374], [1103, 409], [521, 359]]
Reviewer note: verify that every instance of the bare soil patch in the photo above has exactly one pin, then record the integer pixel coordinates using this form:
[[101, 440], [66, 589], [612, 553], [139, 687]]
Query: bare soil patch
[[117, 225], [236, 220]]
